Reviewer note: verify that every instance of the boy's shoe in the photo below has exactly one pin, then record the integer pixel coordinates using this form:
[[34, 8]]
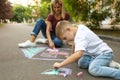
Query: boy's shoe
[[41, 40], [28, 43], [114, 64]]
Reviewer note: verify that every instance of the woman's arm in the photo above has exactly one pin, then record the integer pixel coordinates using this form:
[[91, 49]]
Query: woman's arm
[[69, 60], [50, 42]]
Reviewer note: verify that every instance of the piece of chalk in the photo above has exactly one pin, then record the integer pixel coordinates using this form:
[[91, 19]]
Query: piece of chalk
[[63, 74], [79, 74]]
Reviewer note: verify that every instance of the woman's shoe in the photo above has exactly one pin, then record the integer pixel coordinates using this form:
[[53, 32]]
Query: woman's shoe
[[28, 43]]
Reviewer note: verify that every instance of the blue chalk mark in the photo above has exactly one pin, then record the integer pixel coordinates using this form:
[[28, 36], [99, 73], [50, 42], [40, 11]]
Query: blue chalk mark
[[30, 52], [51, 72]]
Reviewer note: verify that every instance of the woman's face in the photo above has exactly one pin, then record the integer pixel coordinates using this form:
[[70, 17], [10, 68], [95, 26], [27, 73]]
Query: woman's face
[[57, 8]]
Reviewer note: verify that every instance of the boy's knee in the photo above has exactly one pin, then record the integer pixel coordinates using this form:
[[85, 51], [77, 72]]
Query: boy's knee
[[84, 61], [83, 64], [94, 70]]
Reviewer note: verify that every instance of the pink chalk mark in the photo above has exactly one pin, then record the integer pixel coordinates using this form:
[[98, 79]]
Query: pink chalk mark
[[56, 51], [79, 74], [52, 50]]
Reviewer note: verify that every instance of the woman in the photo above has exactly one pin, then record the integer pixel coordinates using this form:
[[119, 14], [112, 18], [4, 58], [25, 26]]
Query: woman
[[48, 28]]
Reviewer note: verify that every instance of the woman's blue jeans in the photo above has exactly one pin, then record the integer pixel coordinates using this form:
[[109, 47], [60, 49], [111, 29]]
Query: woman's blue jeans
[[41, 25], [100, 66]]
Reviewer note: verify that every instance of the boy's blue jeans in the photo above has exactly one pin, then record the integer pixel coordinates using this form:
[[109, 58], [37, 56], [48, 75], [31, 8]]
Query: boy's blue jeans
[[99, 66], [84, 61], [41, 25]]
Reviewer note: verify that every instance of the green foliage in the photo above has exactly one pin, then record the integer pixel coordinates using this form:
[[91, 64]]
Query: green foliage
[[89, 11], [47, 1], [78, 9], [32, 11], [21, 12], [40, 10], [96, 17], [43, 10]]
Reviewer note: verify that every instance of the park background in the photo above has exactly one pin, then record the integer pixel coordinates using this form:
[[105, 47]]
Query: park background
[[17, 21], [96, 14]]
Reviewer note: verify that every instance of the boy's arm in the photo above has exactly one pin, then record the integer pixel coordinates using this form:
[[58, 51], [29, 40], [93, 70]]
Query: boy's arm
[[73, 48], [69, 60]]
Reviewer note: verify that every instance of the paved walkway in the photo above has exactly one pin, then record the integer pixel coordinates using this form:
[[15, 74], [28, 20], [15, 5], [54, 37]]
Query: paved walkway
[[14, 66]]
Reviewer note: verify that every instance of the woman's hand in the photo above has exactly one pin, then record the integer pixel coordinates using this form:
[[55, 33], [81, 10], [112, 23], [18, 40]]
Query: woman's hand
[[50, 42], [51, 45]]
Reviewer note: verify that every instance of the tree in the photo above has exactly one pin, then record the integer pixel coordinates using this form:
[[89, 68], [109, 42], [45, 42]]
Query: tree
[[41, 9], [47, 1], [87, 11], [6, 11], [116, 11], [78, 9], [98, 12], [44, 10], [21, 12]]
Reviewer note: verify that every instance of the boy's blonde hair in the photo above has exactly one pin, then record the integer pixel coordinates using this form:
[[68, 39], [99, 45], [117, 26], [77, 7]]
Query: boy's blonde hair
[[61, 27], [53, 2]]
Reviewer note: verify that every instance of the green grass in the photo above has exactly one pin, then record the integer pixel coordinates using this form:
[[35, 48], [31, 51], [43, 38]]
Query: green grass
[[31, 24], [115, 33], [1, 24]]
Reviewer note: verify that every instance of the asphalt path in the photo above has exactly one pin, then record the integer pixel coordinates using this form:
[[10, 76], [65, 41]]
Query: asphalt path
[[15, 66]]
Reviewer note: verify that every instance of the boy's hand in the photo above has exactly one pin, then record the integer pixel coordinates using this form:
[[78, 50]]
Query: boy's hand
[[56, 65]]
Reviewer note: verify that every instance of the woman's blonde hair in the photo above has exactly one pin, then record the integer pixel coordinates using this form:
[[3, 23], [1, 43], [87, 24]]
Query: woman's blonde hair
[[61, 27], [53, 2]]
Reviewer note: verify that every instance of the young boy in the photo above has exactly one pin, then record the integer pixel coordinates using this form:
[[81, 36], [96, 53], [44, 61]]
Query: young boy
[[87, 43]]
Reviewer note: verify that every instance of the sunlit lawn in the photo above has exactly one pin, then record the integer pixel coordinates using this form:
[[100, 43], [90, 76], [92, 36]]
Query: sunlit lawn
[[115, 33], [1, 24]]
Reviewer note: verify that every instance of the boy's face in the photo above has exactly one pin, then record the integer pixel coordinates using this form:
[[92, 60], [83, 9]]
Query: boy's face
[[68, 35]]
